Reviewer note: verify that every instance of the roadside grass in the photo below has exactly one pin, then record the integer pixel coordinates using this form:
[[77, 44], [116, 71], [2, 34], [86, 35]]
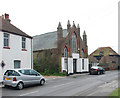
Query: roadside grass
[[115, 93], [54, 74]]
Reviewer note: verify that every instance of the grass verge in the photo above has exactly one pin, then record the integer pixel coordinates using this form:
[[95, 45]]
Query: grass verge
[[54, 74], [115, 94]]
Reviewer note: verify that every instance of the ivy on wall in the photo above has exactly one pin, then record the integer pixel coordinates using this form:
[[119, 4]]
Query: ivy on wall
[[46, 64]]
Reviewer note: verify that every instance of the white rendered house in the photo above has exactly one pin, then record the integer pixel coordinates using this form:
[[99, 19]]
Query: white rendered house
[[15, 47]]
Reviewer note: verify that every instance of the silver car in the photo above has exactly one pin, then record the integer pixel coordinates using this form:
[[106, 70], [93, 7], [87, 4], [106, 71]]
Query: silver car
[[21, 77]]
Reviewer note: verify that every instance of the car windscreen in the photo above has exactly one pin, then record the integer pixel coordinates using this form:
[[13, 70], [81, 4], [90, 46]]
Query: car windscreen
[[11, 73]]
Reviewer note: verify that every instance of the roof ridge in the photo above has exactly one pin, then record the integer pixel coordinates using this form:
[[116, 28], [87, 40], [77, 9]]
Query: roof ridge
[[47, 33]]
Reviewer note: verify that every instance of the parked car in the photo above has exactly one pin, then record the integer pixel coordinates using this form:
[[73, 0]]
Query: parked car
[[20, 78], [96, 70]]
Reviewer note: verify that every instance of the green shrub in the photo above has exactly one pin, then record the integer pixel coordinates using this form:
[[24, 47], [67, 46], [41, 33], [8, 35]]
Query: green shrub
[[47, 65]]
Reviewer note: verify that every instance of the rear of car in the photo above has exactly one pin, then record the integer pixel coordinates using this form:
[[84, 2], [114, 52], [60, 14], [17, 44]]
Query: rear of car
[[22, 77], [11, 78], [97, 70]]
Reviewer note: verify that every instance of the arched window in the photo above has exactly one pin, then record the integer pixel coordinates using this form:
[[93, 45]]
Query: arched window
[[74, 43], [65, 52], [82, 53]]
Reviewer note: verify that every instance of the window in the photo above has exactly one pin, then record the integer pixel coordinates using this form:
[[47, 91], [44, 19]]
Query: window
[[32, 72], [101, 52], [29, 72], [11, 73], [23, 42], [113, 61], [6, 40], [65, 52], [25, 72], [74, 43], [82, 53], [16, 64]]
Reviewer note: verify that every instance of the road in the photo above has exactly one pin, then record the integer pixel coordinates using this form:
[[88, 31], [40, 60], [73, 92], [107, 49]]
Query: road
[[77, 85]]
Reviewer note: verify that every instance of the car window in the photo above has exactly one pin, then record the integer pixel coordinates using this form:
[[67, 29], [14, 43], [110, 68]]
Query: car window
[[25, 72], [11, 73], [100, 68], [32, 72]]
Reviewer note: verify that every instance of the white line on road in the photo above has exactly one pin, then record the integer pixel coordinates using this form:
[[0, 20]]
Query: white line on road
[[28, 93], [62, 84]]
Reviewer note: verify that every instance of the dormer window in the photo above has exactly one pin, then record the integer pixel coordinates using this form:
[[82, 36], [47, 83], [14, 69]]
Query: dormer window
[[101, 52], [23, 43]]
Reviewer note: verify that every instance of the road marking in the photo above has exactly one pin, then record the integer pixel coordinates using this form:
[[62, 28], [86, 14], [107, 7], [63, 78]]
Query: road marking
[[28, 93], [62, 84]]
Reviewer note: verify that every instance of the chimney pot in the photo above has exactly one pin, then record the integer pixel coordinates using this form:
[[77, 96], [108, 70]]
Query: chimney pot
[[6, 16]]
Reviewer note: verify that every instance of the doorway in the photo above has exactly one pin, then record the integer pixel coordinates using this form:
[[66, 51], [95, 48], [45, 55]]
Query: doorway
[[74, 65]]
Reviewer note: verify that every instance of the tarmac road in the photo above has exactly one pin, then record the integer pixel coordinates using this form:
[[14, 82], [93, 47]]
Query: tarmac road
[[75, 85]]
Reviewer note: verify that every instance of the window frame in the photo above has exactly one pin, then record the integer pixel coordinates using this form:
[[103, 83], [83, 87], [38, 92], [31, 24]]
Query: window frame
[[8, 40], [65, 52], [23, 42], [74, 43], [17, 61]]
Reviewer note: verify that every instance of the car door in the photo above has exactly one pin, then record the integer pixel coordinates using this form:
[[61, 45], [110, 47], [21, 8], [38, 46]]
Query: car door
[[26, 78], [35, 77]]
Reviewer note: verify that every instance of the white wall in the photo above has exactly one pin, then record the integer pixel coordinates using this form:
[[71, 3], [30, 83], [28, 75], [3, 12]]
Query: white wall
[[63, 64], [75, 55], [70, 65], [15, 53], [86, 65], [1, 44], [78, 65]]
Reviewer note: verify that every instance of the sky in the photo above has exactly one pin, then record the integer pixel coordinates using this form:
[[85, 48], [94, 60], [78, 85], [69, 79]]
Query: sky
[[99, 18]]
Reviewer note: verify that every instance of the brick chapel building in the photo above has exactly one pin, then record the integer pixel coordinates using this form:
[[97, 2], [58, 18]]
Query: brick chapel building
[[63, 50]]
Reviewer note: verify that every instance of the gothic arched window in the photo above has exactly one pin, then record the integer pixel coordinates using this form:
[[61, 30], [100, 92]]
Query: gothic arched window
[[65, 52], [82, 53], [74, 43]]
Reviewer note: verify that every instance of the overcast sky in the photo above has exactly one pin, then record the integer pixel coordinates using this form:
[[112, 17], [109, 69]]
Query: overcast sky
[[99, 18]]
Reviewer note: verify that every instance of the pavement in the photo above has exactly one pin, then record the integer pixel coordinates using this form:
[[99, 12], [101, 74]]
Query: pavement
[[73, 76]]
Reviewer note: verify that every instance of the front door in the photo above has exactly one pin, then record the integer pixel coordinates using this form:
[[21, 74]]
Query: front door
[[74, 65]]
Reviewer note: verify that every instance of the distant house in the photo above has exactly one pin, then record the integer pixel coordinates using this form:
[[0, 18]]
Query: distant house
[[93, 61], [61, 51], [106, 57], [15, 47]]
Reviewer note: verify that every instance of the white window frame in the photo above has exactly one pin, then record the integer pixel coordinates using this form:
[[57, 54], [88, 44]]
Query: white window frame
[[6, 38], [23, 42]]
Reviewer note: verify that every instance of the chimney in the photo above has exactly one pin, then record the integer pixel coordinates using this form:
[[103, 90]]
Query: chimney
[[7, 17]]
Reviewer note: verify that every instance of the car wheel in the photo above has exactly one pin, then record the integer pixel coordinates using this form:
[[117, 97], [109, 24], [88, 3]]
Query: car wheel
[[90, 73], [6, 86], [42, 82], [20, 86]]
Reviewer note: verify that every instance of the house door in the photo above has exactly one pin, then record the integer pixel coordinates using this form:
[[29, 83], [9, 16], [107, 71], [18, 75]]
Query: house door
[[17, 63], [74, 65]]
